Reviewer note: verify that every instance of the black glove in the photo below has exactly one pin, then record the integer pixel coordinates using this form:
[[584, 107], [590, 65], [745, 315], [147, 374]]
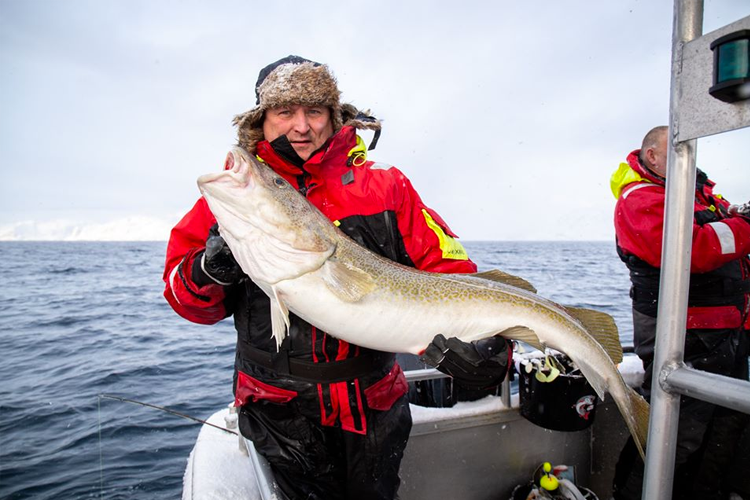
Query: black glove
[[217, 264], [477, 365]]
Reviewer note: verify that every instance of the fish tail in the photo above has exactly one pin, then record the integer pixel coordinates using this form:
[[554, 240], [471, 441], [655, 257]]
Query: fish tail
[[639, 426]]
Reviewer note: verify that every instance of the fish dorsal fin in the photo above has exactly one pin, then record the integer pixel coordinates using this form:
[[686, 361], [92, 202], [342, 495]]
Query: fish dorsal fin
[[506, 279], [602, 327], [524, 334], [346, 281], [279, 318]]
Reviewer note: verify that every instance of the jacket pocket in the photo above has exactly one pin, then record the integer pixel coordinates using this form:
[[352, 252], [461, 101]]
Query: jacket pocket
[[382, 394], [250, 389], [714, 318]]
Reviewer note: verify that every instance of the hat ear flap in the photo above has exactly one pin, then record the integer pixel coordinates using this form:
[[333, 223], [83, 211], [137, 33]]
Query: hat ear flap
[[348, 112], [249, 129], [362, 120], [239, 120]]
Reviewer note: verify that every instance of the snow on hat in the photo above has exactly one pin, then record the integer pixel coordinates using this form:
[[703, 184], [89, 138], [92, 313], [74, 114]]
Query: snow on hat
[[296, 80]]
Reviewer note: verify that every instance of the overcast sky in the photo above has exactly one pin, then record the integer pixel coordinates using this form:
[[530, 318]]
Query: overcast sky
[[509, 117]]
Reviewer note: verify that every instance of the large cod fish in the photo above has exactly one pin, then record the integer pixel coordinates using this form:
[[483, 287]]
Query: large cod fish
[[308, 266]]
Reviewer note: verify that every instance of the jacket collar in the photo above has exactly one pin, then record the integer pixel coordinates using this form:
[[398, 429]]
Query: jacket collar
[[632, 171], [333, 155], [635, 163]]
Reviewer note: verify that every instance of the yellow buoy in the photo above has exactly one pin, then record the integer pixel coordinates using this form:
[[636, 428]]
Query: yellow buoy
[[548, 481]]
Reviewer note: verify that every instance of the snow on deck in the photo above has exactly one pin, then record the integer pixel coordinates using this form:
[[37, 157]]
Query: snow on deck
[[631, 370], [462, 409]]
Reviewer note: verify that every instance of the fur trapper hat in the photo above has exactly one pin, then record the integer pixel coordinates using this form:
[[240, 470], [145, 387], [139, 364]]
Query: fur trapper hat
[[296, 80]]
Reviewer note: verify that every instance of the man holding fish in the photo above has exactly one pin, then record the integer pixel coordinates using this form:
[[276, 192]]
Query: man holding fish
[[332, 418]]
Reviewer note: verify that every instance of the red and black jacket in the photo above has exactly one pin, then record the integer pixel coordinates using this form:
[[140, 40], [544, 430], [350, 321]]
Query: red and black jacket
[[719, 295], [376, 205]]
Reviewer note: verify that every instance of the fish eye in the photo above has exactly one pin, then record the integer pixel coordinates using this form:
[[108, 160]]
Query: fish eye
[[279, 182]]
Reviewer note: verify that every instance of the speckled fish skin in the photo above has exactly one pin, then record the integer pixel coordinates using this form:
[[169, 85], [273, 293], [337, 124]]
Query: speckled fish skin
[[308, 266]]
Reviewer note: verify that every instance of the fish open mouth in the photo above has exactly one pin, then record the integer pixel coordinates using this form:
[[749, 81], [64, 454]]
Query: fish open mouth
[[229, 162]]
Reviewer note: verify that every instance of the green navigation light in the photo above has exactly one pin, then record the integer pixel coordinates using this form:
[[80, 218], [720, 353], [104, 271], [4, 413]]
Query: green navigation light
[[731, 67]]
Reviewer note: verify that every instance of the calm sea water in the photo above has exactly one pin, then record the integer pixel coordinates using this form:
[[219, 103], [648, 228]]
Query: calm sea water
[[82, 319]]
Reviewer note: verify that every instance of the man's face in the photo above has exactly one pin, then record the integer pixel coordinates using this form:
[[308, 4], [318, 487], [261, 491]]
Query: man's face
[[657, 156], [306, 127]]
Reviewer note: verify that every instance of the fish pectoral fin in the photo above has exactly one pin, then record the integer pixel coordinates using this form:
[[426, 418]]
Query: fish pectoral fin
[[279, 319], [524, 334], [347, 282], [506, 279], [602, 327]]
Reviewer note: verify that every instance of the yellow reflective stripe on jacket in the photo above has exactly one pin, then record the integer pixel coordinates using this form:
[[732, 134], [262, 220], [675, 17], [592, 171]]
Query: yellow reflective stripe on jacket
[[621, 177], [450, 247]]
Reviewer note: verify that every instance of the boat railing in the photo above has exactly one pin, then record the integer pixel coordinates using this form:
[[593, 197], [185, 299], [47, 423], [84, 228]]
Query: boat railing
[[693, 113]]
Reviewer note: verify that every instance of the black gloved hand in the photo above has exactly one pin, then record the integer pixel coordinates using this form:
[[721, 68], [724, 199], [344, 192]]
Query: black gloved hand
[[217, 263], [476, 365]]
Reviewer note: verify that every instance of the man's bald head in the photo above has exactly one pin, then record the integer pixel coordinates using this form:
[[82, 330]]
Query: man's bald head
[[654, 150]]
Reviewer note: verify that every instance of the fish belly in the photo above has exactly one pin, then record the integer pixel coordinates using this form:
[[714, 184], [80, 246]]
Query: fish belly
[[387, 322]]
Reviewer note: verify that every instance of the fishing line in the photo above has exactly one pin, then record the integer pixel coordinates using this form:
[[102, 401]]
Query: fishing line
[[141, 403], [101, 460], [162, 408]]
